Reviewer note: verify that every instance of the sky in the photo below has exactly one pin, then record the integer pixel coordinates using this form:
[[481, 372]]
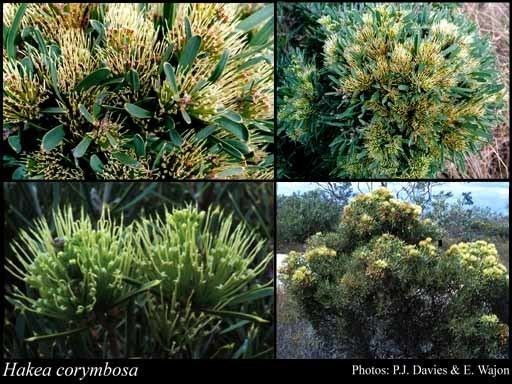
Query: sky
[[493, 195]]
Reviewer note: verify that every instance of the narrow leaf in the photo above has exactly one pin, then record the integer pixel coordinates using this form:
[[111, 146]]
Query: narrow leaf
[[138, 112], [95, 78], [53, 137], [219, 68], [239, 315], [132, 78], [171, 77], [144, 288], [256, 19], [186, 117], [173, 133], [96, 164], [13, 31], [138, 143], [205, 132], [189, 53], [56, 335], [85, 113], [125, 159], [15, 143], [237, 129], [82, 147]]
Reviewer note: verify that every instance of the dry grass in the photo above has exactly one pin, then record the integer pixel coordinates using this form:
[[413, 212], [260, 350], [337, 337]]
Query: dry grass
[[493, 161]]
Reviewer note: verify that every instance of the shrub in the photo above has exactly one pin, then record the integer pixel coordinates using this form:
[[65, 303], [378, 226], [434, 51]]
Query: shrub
[[401, 89], [138, 91], [391, 292], [302, 215], [169, 286]]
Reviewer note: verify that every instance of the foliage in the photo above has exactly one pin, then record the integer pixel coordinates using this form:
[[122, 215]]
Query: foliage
[[124, 298], [138, 91], [302, 215], [398, 91], [389, 291]]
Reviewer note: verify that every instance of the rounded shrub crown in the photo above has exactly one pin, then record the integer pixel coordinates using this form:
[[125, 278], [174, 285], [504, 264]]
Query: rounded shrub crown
[[392, 292], [406, 88]]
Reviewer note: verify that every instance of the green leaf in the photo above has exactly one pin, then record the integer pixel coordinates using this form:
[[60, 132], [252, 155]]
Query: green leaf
[[96, 164], [450, 49], [256, 18], [189, 53], [173, 133], [95, 78], [242, 350], [239, 130], [239, 145], [171, 77], [53, 137], [219, 68], [146, 287], [125, 159], [138, 112], [82, 147], [99, 28], [403, 87], [19, 173], [249, 296], [233, 116], [205, 132], [54, 78], [229, 172], [188, 28], [56, 335], [263, 35], [54, 110], [132, 78], [170, 14], [186, 117], [231, 150], [13, 31], [85, 113], [235, 326], [138, 143], [239, 315], [15, 143]]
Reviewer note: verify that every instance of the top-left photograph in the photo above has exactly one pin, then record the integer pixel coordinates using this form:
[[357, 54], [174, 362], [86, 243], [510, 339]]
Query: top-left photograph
[[138, 91]]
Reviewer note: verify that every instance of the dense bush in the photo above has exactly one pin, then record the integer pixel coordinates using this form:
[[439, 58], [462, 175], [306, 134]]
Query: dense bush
[[138, 91], [163, 286], [251, 206], [386, 290], [399, 89], [301, 215]]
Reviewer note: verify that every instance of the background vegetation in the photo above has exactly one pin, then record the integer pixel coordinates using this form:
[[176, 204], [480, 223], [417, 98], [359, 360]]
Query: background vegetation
[[252, 203]]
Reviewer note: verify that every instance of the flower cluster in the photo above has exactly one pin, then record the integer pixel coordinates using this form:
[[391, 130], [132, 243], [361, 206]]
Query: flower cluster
[[479, 256], [302, 276], [114, 87], [319, 252], [378, 212]]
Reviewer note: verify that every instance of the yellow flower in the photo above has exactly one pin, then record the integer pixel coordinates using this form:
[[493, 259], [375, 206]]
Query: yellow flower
[[319, 252], [302, 276]]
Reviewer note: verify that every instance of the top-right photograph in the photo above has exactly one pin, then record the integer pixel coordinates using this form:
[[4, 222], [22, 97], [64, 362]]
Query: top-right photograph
[[393, 90]]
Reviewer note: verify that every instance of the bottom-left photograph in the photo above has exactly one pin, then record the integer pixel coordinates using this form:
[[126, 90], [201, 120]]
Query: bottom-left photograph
[[138, 270]]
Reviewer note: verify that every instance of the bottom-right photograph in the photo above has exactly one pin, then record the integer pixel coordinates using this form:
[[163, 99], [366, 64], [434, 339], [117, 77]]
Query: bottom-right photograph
[[379, 270]]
